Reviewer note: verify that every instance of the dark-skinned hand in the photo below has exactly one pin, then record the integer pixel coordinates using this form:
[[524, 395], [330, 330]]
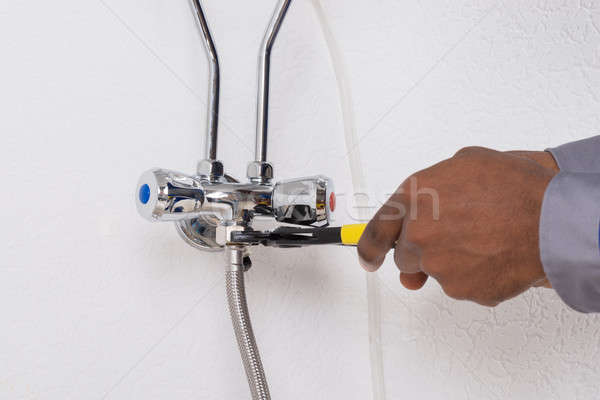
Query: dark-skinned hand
[[471, 222]]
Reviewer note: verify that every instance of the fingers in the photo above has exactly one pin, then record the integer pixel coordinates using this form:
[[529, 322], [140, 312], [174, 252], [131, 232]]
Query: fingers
[[382, 232], [407, 256], [413, 281], [466, 151]]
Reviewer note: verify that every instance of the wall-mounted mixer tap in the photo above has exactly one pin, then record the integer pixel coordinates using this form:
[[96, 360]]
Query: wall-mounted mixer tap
[[209, 207], [200, 206]]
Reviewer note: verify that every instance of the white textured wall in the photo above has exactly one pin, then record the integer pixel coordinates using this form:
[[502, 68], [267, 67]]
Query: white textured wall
[[96, 303]]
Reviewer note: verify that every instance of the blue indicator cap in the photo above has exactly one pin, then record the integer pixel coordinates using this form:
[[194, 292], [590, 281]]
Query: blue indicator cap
[[144, 194]]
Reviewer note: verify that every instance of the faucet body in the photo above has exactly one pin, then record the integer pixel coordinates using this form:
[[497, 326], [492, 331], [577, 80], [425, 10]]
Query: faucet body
[[165, 195], [176, 196]]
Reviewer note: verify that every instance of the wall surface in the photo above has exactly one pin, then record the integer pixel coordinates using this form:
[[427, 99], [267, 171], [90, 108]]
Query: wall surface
[[95, 303]]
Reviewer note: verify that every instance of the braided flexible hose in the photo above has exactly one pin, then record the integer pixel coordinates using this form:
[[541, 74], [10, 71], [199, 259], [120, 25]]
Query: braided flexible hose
[[238, 308]]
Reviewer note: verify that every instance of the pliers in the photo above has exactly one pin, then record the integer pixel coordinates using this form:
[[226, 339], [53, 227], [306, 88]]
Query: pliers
[[290, 237]]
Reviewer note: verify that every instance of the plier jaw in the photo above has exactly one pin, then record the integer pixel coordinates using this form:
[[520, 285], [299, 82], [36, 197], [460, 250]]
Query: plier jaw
[[288, 237]]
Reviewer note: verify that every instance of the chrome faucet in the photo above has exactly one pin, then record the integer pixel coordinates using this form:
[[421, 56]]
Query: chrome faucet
[[209, 207]]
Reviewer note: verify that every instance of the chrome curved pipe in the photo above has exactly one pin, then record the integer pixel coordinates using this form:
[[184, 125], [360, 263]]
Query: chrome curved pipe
[[262, 119], [214, 83], [238, 308]]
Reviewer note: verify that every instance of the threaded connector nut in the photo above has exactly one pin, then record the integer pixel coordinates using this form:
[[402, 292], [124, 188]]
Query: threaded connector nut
[[260, 172], [210, 169]]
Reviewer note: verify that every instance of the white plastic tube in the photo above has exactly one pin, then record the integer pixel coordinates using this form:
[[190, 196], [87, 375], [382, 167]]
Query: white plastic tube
[[359, 186]]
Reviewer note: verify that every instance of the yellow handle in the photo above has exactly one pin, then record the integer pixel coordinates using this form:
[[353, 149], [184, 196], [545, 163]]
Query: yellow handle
[[351, 234]]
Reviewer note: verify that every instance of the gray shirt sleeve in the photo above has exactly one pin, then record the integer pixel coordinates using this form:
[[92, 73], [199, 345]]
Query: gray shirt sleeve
[[580, 156], [570, 225]]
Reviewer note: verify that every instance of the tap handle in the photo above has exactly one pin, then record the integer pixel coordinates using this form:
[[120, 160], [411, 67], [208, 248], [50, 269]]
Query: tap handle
[[164, 195], [304, 201]]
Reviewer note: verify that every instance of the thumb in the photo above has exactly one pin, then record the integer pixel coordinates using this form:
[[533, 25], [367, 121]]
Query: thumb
[[413, 281]]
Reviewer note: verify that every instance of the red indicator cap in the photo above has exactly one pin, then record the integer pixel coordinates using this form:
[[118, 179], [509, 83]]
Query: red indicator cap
[[332, 201]]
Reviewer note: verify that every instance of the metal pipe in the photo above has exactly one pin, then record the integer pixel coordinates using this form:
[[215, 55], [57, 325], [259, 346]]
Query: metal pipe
[[262, 120], [214, 83], [238, 308]]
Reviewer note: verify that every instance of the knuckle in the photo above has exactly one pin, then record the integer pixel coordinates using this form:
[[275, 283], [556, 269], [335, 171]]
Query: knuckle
[[409, 184], [393, 210], [470, 150]]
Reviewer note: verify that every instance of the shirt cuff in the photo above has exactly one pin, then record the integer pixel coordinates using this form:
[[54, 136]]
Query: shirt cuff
[[570, 238], [580, 156]]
